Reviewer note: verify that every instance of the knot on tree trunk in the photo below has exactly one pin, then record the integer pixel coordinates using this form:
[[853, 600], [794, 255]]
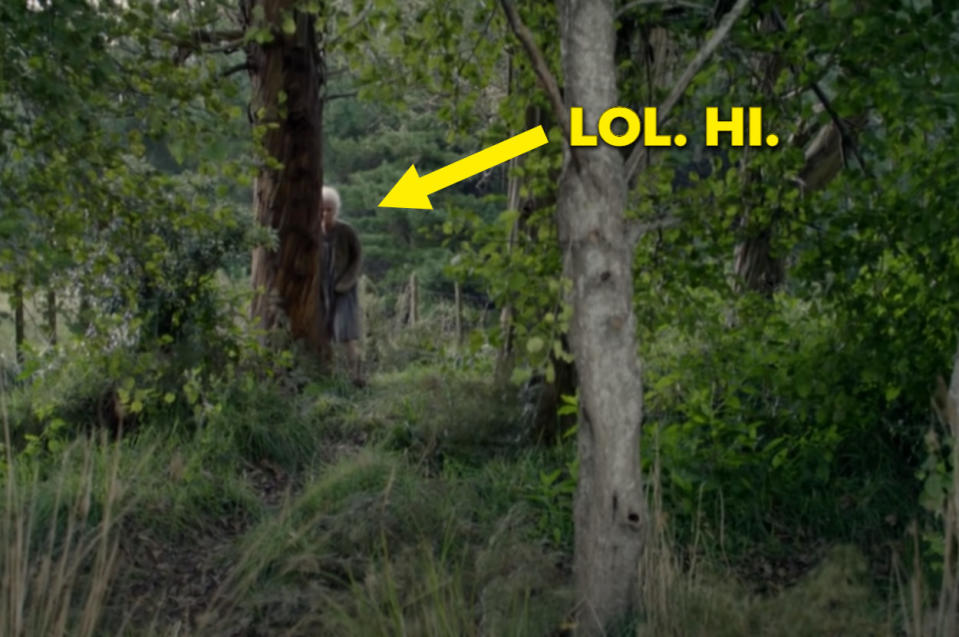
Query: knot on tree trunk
[[630, 514]]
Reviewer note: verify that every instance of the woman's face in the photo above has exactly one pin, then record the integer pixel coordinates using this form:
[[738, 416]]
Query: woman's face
[[329, 213]]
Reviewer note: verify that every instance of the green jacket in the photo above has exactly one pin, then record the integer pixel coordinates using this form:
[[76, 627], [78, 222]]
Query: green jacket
[[347, 257]]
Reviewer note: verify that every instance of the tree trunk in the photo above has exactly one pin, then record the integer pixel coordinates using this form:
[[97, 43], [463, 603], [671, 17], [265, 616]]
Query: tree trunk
[[285, 75], [548, 425], [52, 315], [756, 268], [19, 325], [610, 508], [514, 201]]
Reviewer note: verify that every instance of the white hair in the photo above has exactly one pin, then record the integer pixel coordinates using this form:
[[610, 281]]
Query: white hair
[[331, 196]]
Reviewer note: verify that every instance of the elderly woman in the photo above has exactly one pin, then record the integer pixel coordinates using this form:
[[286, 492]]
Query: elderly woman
[[341, 259]]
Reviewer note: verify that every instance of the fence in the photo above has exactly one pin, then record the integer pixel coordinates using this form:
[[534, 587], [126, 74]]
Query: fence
[[419, 313]]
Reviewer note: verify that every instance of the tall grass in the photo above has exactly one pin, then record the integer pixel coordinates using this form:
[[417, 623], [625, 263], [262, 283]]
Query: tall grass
[[371, 546], [58, 552], [929, 612], [688, 591]]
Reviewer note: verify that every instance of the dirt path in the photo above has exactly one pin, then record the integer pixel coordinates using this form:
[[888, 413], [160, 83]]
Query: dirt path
[[172, 580]]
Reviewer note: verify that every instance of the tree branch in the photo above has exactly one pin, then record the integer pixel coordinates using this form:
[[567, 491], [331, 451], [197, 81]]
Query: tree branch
[[636, 229], [540, 67], [359, 19], [336, 96], [332, 73], [669, 4], [216, 37], [229, 47], [847, 138], [199, 36], [725, 26], [243, 66], [227, 41]]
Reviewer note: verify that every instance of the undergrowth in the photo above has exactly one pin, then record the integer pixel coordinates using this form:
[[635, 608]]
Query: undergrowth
[[418, 506]]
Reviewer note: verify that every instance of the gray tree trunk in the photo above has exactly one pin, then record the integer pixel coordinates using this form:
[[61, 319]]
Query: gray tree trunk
[[609, 508]]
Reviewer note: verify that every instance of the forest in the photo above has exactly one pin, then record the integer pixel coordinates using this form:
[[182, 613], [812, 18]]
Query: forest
[[632, 377]]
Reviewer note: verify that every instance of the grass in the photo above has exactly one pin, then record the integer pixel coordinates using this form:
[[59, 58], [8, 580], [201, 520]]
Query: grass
[[33, 315], [59, 549], [835, 598], [413, 507], [929, 601], [370, 546]]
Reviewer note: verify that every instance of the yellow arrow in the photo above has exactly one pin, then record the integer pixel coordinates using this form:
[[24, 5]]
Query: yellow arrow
[[413, 191]]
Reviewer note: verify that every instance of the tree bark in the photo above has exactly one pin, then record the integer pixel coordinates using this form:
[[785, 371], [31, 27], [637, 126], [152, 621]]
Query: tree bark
[[610, 512], [52, 315], [757, 268], [609, 507], [548, 425], [286, 74], [19, 324]]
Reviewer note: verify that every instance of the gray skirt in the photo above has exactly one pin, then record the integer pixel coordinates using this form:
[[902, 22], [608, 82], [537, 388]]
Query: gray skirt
[[346, 316]]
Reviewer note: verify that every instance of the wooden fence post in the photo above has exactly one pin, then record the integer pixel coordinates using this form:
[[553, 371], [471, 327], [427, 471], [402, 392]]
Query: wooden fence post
[[18, 322], [459, 313], [52, 315], [414, 301]]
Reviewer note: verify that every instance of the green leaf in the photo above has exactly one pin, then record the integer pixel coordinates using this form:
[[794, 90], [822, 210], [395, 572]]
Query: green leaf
[[535, 344], [520, 375]]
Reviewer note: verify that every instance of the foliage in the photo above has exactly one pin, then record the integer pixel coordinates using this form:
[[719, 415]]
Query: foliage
[[806, 413], [59, 534], [784, 421], [369, 146], [553, 499]]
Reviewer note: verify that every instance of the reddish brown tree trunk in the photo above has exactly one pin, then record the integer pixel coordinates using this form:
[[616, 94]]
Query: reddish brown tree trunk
[[286, 74]]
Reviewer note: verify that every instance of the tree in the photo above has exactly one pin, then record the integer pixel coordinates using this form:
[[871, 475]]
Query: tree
[[598, 243], [117, 191], [286, 75], [610, 508]]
